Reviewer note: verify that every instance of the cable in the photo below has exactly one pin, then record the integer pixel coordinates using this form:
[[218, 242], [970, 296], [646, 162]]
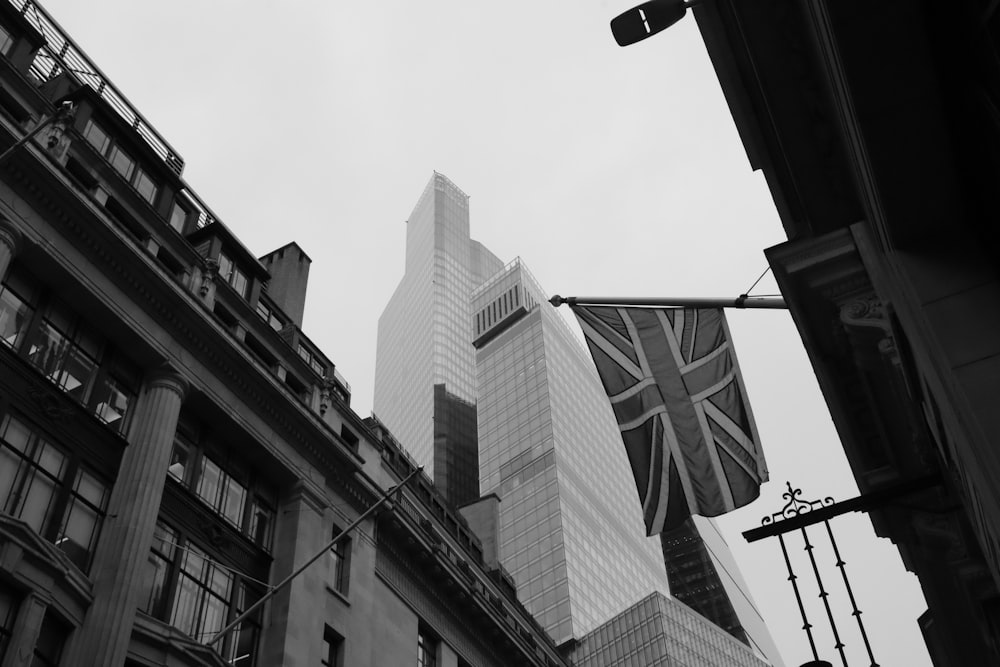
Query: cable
[[758, 280]]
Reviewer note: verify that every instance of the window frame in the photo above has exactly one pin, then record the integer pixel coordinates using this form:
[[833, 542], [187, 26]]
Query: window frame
[[7, 41], [230, 271], [81, 340], [121, 160], [185, 215], [427, 647], [259, 499], [333, 648], [340, 563], [167, 604], [31, 480]]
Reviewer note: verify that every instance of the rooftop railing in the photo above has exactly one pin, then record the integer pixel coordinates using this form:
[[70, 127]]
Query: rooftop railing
[[61, 54]]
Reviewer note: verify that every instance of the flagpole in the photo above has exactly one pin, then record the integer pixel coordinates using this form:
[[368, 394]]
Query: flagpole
[[742, 301]]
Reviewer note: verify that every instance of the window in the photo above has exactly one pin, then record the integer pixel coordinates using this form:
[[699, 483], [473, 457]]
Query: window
[[51, 639], [340, 562], [123, 163], [6, 41], [97, 137], [49, 490], [311, 359], [426, 649], [66, 350], [145, 185], [234, 491], [333, 649], [16, 308], [178, 217], [8, 613], [233, 275], [199, 596], [268, 316]]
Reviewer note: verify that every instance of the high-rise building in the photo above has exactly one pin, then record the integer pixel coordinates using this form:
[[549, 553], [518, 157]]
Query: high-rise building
[[172, 444], [571, 530], [570, 527], [425, 381]]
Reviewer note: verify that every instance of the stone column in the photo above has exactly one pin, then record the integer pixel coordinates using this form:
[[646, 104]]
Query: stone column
[[10, 243], [30, 615], [120, 561]]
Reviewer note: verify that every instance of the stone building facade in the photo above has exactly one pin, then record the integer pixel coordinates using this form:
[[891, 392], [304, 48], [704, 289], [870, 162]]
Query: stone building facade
[[172, 444]]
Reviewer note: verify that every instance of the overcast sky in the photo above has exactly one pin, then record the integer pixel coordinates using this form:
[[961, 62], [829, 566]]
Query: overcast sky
[[610, 171]]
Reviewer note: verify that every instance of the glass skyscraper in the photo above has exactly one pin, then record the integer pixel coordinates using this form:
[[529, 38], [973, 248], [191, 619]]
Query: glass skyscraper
[[486, 386], [571, 529], [425, 368]]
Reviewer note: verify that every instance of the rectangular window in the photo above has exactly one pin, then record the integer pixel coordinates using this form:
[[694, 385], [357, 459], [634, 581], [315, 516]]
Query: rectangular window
[[426, 649], [268, 316], [231, 490], [66, 350], [340, 562], [232, 275], [16, 309], [122, 162], [311, 359], [8, 612], [97, 137], [179, 460], [50, 642], [333, 648], [178, 217], [59, 498], [202, 596], [262, 517], [161, 564], [199, 596], [6, 41], [145, 185]]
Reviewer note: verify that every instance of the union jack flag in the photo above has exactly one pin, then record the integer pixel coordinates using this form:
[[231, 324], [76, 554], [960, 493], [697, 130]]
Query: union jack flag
[[678, 396]]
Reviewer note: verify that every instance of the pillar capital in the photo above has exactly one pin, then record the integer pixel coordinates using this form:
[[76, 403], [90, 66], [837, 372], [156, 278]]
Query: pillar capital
[[166, 377]]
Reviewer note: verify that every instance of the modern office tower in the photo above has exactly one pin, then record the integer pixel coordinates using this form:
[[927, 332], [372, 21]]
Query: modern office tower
[[694, 579], [571, 529], [661, 631], [425, 382], [172, 443], [704, 576]]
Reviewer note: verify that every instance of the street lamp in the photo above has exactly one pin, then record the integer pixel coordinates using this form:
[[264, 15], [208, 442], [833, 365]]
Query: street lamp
[[647, 19]]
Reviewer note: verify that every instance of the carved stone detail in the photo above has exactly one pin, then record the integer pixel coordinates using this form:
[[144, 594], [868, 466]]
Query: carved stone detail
[[50, 404], [867, 311]]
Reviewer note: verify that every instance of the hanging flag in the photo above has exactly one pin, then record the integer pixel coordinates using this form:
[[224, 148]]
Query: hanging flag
[[676, 391]]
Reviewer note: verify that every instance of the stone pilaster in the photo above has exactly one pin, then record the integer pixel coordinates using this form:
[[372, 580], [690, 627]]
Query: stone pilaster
[[24, 634], [10, 242], [123, 551], [297, 612]]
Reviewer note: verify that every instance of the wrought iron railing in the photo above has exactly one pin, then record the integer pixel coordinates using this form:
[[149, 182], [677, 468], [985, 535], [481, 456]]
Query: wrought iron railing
[[61, 54]]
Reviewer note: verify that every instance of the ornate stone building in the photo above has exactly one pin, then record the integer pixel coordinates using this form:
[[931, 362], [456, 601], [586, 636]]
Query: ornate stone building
[[172, 444], [876, 127]]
